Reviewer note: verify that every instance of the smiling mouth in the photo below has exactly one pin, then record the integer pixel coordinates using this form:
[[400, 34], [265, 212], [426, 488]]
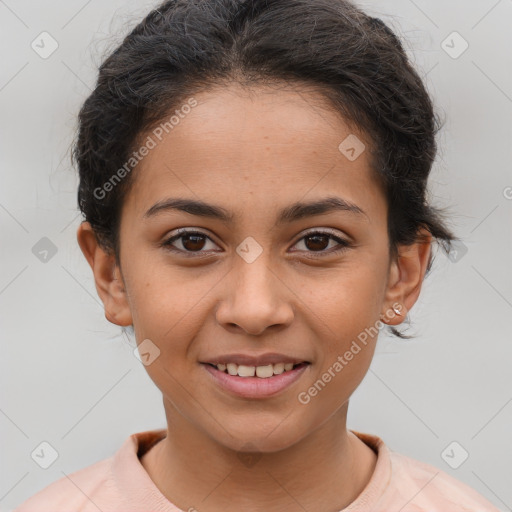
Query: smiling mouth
[[263, 372]]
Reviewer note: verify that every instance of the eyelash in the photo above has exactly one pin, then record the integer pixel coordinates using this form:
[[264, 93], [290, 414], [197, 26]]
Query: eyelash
[[343, 244]]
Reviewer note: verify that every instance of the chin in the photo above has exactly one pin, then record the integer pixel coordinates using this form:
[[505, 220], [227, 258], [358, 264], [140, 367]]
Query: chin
[[257, 434]]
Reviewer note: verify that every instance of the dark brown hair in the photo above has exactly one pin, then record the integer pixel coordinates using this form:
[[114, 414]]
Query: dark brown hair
[[184, 46]]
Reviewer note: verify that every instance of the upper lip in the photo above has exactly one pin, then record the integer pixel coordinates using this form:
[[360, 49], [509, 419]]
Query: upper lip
[[251, 360]]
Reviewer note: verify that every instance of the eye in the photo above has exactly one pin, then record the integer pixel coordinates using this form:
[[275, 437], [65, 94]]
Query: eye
[[317, 242], [189, 240]]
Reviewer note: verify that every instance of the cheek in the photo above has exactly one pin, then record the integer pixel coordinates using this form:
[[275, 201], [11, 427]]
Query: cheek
[[346, 307], [346, 345], [345, 300], [169, 306], [169, 310]]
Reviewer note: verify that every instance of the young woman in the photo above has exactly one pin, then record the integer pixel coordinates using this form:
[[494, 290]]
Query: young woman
[[253, 180]]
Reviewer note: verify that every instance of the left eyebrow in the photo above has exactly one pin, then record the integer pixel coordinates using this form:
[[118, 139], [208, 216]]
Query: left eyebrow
[[299, 210], [294, 212]]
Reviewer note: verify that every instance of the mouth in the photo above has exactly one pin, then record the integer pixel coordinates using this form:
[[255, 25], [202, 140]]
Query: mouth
[[255, 382], [261, 372]]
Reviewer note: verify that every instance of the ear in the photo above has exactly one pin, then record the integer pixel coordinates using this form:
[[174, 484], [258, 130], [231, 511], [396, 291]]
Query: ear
[[107, 276], [405, 278]]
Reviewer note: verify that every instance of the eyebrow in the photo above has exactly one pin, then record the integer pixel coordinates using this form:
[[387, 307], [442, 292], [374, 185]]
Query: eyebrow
[[294, 212]]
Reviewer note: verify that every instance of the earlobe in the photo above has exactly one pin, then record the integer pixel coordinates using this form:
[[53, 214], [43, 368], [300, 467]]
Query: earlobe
[[107, 277], [406, 277]]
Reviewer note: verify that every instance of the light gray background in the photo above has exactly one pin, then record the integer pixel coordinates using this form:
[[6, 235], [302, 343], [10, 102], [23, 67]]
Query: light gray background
[[70, 378]]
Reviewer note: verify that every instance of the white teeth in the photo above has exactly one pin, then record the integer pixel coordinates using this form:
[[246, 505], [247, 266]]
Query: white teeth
[[232, 368], [278, 368], [246, 371], [264, 372]]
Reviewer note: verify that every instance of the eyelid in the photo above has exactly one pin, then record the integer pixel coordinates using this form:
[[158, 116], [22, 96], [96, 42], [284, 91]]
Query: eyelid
[[342, 242], [330, 231], [178, 232]]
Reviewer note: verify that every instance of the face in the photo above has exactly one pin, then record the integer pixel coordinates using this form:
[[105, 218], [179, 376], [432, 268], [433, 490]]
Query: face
[[256, 272]]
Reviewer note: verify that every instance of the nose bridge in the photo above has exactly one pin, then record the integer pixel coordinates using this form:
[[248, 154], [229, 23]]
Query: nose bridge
[[256, 277], [255, 297]]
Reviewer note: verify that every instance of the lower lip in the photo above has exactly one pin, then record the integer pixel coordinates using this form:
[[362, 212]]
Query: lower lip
[[255, 387]]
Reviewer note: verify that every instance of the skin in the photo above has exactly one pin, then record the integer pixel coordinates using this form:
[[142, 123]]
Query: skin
[[254, 152]]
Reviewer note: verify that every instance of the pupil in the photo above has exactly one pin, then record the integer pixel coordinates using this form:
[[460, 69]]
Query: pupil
[[194, 238], [316, 238]]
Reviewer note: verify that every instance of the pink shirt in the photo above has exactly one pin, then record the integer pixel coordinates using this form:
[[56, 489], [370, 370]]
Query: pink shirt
[[121, 484]]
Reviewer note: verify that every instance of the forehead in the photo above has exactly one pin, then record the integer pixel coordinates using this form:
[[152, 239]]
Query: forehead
[[259, 147]]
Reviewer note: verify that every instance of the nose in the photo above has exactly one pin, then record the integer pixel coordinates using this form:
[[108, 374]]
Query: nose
[[254, 299]]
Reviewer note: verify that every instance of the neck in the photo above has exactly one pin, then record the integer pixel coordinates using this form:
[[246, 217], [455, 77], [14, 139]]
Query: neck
[[327, 470]]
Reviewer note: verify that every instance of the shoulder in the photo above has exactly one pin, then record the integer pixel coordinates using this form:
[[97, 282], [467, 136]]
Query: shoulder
[[75, 491], [402, 483], [119, 482], [425, 487]]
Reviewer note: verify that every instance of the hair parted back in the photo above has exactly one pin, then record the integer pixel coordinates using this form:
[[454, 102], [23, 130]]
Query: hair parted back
[[182, 47]]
